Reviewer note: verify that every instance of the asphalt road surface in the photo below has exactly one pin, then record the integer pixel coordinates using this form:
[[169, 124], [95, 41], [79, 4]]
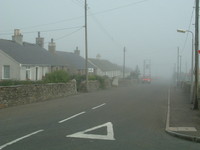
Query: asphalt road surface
[[124, 118]]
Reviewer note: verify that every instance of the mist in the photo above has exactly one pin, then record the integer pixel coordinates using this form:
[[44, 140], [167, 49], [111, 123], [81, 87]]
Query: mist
[[147, 28]]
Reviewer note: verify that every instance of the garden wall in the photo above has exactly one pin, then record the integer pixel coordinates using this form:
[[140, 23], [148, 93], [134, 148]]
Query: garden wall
[[25, 94]]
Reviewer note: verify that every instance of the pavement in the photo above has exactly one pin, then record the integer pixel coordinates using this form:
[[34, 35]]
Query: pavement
[[183, 121]]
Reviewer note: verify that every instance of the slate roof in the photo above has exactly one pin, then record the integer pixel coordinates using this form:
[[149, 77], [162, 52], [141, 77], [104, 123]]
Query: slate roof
[[74, 60], [105, 65], [29, 53]]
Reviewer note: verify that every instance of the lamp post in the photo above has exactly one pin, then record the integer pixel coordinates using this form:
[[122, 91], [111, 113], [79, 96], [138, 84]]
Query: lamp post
[[192, 64]]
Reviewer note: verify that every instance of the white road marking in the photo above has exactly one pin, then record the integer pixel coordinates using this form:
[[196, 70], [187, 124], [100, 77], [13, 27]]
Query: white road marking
[[99, 106], [186, 129], [83, 134], [19, 139], [71, 117], [189, 129]]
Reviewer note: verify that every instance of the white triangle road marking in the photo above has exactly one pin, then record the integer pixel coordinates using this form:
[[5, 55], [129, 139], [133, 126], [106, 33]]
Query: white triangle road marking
[[83, 134]]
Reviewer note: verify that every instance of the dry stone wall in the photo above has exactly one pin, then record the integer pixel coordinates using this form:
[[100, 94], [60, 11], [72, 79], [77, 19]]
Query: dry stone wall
[[25, 94]]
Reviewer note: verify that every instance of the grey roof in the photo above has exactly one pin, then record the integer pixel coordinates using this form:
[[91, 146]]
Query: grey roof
[[105, 65], [29, 53], [74, 60]]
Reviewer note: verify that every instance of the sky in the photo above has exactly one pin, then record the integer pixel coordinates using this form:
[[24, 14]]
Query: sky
[[146, 28]]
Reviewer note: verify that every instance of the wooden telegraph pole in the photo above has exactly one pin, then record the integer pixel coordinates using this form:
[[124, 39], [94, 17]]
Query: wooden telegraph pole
[[196, 85]]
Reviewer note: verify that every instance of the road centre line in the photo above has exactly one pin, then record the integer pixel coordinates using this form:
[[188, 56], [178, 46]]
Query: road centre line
[[19, 139], [71, 117], [99, 106]]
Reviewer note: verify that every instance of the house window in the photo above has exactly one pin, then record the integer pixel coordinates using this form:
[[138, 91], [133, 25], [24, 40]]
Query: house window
[[6, 72]]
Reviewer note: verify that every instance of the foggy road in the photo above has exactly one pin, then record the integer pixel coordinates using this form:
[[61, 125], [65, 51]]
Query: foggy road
[[128, 118]]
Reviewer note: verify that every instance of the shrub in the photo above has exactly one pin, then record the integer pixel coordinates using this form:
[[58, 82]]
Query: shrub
[[79, 79], [98, 78], [16, 82], [57, 77]]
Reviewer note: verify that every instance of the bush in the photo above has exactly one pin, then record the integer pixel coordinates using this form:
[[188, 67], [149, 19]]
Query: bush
[[79, 79], [57, 77], [16, 82], [98, 78]]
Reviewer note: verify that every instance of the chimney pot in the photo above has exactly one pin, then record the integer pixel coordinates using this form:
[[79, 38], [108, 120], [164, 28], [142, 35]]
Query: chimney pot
[[17, 37], [52, 47], [40, 40], [76, 51]]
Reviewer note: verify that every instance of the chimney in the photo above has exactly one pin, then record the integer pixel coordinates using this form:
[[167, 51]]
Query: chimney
[[76, 51], [40, 40], [52, 47], [17, 37], [98, 56]]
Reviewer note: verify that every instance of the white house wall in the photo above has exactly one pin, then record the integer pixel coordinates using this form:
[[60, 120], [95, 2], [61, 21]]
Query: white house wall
[[23, 73], [14, 66], [110, 74], [41, 71]]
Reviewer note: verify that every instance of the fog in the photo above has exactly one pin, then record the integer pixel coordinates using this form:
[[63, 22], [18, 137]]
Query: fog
[[147, 28]]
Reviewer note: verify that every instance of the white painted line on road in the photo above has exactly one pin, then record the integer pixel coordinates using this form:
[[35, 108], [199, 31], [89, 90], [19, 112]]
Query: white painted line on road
[[71, 117], [99, 106], [185, 129], [84, 134], [19, 139]]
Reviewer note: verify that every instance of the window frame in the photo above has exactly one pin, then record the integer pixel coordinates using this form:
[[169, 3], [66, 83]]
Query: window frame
[[4, 75]]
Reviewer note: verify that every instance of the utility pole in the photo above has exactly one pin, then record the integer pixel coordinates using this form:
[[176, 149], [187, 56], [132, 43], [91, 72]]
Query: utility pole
[[124, 63], [86, 47], [192, 71], [174, 74], [180, 74], [196, 56], [186, 68], [178, 67]]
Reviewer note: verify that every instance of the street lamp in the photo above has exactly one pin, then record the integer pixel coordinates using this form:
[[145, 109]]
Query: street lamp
[[192, 64]]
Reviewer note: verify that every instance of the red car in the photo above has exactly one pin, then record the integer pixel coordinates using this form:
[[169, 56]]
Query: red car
[[146, 79]]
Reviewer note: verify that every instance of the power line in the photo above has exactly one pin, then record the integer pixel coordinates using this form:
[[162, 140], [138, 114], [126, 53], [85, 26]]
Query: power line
[[66, 35], [79, 17], [52, 30], [191, 18], [105, 31], [52, 23], [120, 7], [59, 38], [79, 3]]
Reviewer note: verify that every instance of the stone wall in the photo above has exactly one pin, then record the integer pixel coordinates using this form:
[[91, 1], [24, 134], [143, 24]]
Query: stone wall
[[125, 82], [94, 85], [25, 94]]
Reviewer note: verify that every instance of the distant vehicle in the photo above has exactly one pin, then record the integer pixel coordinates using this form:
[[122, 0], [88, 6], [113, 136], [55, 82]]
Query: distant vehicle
[[146, 79]]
